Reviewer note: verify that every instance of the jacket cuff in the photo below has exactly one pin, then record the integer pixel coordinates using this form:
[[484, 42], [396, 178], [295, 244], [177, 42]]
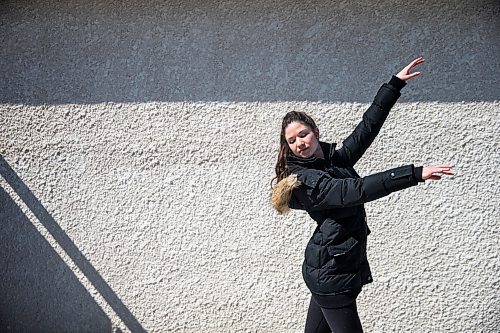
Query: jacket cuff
[[397, 83], [399, 178], [386, 97], [417, 173]]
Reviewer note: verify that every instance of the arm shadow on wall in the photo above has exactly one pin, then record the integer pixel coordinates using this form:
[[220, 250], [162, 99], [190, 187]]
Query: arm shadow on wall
[[38, 291], [239, 51]]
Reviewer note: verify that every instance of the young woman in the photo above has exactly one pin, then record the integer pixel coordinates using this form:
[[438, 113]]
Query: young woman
[[314, 176]]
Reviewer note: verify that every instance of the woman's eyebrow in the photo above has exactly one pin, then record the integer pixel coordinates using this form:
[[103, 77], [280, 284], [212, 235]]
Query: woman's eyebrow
[[300, 132]]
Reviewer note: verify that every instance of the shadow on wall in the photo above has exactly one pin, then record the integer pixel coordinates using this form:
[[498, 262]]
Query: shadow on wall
[[95, 51], [38, 291]]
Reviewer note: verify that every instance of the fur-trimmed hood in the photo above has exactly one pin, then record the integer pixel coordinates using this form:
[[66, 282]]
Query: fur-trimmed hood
[[282, 193]]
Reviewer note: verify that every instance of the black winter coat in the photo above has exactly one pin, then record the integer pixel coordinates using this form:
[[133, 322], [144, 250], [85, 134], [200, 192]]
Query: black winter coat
[[333, 194]]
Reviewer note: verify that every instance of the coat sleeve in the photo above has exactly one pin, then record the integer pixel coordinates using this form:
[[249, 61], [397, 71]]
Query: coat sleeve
[[319, 190], [355, 145]]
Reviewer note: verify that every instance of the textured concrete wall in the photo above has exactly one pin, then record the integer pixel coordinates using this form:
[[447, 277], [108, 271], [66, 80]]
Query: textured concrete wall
[[137, 147]]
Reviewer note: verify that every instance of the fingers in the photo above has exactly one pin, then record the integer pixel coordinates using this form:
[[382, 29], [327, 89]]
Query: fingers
[[450, 173], [436, 172], [405, 72], [446, 169], [412, 75], [439, 170], [416, 62], [441, 167], [443, 171]]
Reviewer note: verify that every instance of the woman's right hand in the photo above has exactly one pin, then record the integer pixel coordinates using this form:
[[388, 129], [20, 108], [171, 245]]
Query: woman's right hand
[[435, 172]]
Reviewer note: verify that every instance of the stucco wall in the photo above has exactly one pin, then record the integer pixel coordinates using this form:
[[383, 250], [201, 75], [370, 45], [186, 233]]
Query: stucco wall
[[138, 141]]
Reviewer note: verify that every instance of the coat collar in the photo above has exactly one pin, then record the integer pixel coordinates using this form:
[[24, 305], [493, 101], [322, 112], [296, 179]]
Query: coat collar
[[312, 162]]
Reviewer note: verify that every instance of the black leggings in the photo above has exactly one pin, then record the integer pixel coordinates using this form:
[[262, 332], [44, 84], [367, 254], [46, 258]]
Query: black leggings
[[343, 319]]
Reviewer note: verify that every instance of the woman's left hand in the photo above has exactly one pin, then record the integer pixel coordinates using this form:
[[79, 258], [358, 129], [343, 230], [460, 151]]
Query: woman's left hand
[[435, 172], [405, 72]]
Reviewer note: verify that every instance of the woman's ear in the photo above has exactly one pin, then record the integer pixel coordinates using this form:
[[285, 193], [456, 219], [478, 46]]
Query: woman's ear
[[316, 132]]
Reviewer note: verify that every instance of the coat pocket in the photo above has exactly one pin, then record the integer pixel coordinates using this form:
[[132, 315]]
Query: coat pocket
[[343, 248], [345, 256]]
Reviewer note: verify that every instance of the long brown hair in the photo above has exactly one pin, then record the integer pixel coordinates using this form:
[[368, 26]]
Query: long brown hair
[[281, 166]]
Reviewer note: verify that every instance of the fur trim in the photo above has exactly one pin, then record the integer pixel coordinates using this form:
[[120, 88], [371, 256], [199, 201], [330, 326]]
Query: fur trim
[[282, 193]]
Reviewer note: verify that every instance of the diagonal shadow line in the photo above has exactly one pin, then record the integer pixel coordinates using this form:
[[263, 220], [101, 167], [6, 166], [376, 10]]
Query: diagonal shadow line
[[69, 247]]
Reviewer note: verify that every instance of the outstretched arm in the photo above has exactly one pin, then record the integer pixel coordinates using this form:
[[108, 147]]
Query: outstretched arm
[[355, 145], [318, 190]]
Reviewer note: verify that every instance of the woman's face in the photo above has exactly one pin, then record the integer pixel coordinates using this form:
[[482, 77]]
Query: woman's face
[[301, 139]]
